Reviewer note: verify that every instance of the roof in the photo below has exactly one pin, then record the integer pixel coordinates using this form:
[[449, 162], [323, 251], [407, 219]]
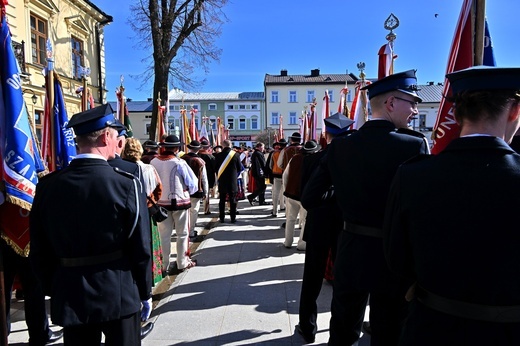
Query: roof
[[313, 78], [430, 93], [176, 95], [108, 17], [136, 106]]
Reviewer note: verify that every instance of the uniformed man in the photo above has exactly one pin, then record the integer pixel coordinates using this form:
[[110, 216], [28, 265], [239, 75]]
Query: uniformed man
[[451, 221], [90, 240], [322, 226], [361, 167], [228, 167]]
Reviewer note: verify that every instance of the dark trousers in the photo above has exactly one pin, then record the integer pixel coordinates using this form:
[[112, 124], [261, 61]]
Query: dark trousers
[[232, 198], [319, 242], [388, 308], [123, 332], [259, 190], [34, 301]]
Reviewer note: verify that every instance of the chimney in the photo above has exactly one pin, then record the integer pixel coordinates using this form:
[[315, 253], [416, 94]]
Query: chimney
[[149, 99], [430, 83], [315, 72], [283, 73]]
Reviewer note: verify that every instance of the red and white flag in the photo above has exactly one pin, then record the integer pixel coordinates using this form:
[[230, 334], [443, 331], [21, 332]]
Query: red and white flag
[[386, 60], [359, 111]]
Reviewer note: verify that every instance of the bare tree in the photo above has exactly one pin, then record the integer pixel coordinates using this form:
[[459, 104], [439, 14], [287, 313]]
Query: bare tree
[[181, 35]]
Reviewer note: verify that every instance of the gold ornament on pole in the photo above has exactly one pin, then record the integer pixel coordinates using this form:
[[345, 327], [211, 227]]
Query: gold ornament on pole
[[391, 23]]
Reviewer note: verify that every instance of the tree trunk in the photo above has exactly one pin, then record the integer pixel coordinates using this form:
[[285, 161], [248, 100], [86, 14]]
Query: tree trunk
[[160, 91]]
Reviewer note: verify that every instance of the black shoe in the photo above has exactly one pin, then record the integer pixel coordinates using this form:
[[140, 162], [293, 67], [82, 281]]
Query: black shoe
[[55, 336], [221, 220], [282, 226], [207, 213], [282, 209], [366, 328], [146, 329], [250, 200], [195, 234], [309, 338], [264, 203], [19, 294]]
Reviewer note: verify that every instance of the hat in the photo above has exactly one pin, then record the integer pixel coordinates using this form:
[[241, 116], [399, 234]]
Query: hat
[[282, 142], [311, 146], [122, 131], [150, 144], [204, 143], [194, 145], [94, 119], [217, 146], [484, 78], [171, 141], [337, 123], [296, 136], [405, 82]]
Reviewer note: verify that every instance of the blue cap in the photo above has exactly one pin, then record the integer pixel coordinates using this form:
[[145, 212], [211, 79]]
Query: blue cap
[[405, 82], [485, 78], [337, 123], [94, 119]]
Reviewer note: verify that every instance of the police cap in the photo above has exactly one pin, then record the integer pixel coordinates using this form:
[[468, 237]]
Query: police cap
[[94, 119], [337, 123], [485, 78], [405, 82]]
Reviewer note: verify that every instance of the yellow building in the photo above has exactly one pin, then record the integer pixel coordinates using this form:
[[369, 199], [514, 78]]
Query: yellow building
[[75, 30]]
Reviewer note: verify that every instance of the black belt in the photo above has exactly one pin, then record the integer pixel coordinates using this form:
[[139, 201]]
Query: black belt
[[362, 230], [487, 313], [91, 260]]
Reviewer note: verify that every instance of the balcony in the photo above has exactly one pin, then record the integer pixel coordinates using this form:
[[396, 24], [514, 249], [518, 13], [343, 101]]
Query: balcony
[[19, 53]]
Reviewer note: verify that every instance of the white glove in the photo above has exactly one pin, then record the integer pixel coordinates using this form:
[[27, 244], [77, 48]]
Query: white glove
[[146, 310]]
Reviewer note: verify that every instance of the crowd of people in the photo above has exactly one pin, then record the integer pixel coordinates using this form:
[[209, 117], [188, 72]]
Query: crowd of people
[[426, 241]]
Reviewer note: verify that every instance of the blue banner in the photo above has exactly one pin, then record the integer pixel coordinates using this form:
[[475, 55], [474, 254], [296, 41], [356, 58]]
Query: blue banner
[[20, 160], [64, 138], [489, 56]]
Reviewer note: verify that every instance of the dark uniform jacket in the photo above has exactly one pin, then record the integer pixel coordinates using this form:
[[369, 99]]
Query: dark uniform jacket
[[196, 164], [227, 183], [452, 225], [88, 210], [258, 165], [361, 168], [210, 168]]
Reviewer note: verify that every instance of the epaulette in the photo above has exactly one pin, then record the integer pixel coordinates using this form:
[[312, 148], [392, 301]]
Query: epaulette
[[417, 158], [411, 132], [124, 173]]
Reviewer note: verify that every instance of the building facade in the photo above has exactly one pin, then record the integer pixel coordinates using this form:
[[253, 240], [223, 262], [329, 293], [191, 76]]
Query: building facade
[[74, 29]]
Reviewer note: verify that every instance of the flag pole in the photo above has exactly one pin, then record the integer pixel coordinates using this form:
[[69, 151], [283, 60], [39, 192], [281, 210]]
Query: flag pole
[[51, 159], [480, 18], [391, 23], [122, 105]]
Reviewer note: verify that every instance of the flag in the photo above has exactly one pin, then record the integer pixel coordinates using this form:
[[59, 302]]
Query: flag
[[204, 130], [161, 131], [461, 56], [325, 112], [280, 128], [194, 134], [186, 139], [342, 106], [63, 137], [386, 60], [19, 153], [122, 110], [212, 139], [219, 131], [359, 111], [313, 121]]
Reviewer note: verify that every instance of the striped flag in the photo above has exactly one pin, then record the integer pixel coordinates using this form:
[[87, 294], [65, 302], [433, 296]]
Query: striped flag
[[386, 60], [461, 57], [359, 112], [204, 130]]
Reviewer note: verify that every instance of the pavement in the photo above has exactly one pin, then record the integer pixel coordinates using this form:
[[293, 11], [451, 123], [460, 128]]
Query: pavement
[[244, 290]]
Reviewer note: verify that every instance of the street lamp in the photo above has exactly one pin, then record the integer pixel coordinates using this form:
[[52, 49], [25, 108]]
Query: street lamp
[[34, 98]]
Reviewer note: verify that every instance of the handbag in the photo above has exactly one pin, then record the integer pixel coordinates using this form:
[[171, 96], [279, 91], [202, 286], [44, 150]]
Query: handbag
[[157, 212]]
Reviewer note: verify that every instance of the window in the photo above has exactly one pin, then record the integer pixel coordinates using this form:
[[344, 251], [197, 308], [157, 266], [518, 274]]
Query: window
[[292, 118], [310, 96], [254, 123], [231, 123], [274, 97], [422, 122], [331, 95], [38, 116], [77, 57], [175, 108], [275, 118], [292, 96], [254, 106], [230, 107], [242, 124], [349, 96], [212, 107], [242, 107], [38, 40], [213, 121]]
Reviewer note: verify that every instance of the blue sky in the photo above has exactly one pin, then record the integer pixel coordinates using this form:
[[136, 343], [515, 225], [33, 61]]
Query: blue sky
[[299, 35]]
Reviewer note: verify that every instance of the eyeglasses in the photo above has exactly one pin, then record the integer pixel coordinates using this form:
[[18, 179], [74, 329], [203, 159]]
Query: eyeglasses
[[412, 103]]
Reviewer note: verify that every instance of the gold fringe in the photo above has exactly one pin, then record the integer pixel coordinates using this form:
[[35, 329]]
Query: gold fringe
[[19, 202], [16, 248]]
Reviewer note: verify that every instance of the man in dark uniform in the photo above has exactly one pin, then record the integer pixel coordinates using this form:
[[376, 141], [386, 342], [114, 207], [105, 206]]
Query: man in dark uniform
[[361, 167], [90, 240], [258, 173], [322, 227], [228, 167], [451, 221]]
